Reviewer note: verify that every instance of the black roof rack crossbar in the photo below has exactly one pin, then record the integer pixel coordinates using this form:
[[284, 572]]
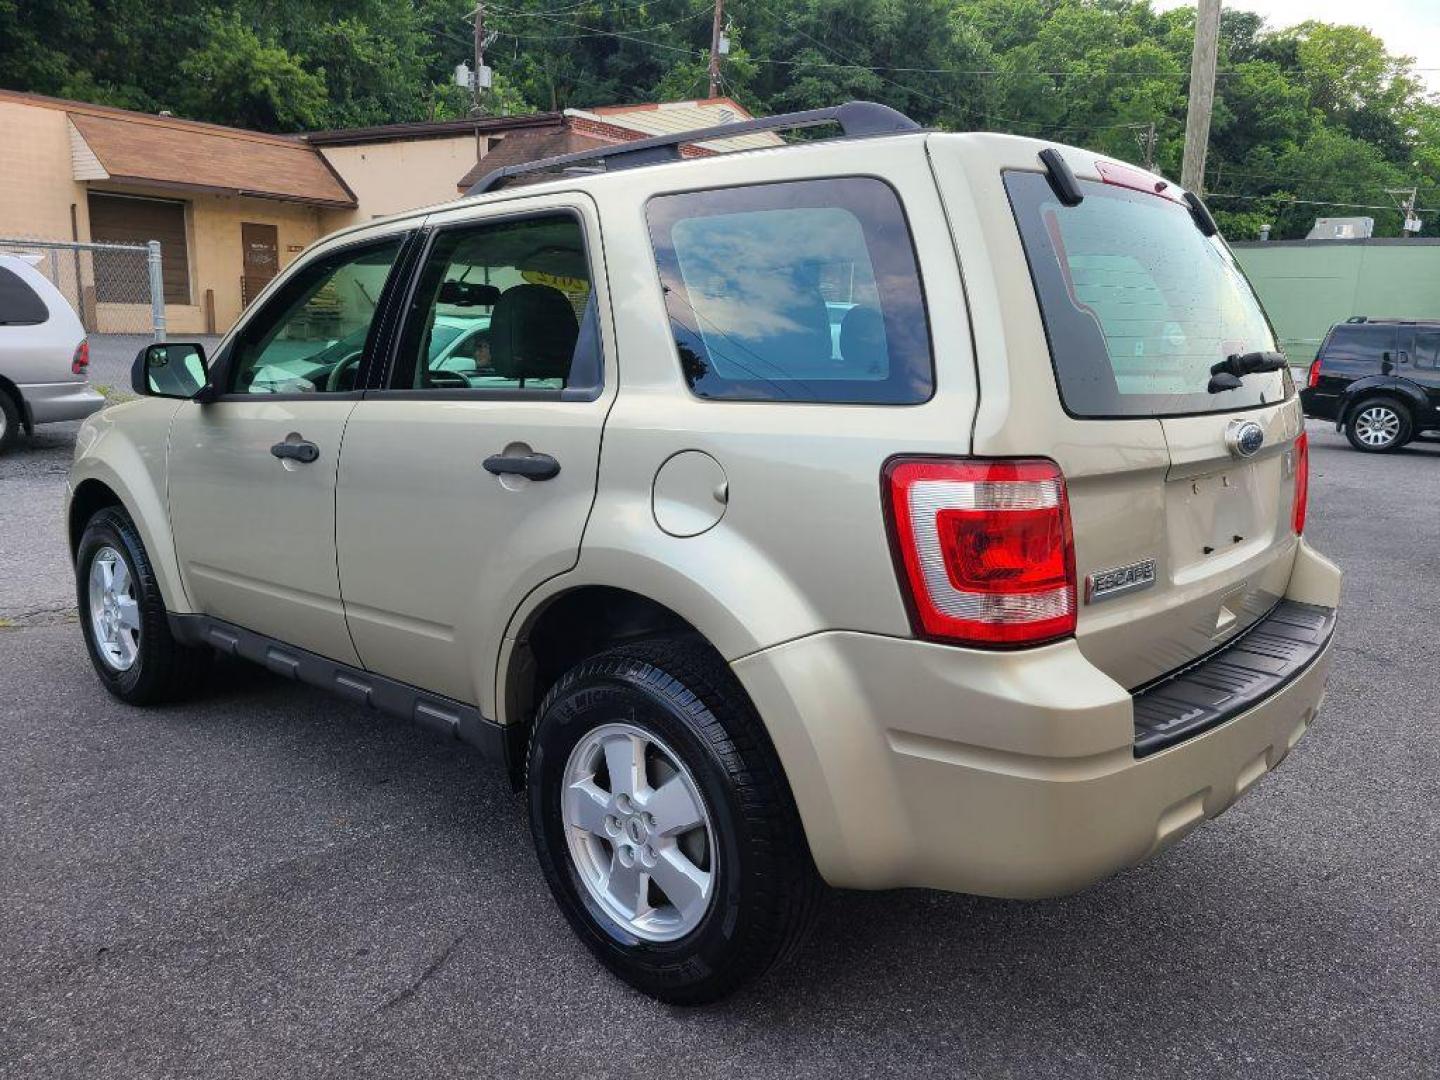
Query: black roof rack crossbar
[[855, 118]]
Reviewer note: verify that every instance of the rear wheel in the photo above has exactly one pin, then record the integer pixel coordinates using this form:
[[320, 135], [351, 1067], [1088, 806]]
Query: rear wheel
[[9, 421], [123, 617], [1377, 425], [664, 824]]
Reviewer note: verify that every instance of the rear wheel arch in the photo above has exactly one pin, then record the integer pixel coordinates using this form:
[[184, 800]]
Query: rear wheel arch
[[571, 626], [22, 414], [1407, 393]]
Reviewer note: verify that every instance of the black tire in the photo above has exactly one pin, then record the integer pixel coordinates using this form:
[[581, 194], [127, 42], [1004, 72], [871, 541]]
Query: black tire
[[163, 670], [10, 422], [1366, 409], [765, 889]]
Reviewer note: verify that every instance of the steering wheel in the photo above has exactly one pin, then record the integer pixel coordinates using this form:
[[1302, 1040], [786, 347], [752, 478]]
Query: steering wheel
[[342, 366]]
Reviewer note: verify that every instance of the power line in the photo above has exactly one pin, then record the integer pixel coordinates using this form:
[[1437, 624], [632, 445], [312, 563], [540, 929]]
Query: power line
[[1315, 202]]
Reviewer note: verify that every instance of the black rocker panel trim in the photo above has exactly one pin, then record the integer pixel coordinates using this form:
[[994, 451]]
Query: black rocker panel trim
[[1220, 686], [502, 744]]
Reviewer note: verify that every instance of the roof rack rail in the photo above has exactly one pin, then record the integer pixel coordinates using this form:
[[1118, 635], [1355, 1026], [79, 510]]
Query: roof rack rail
[[855, 118]]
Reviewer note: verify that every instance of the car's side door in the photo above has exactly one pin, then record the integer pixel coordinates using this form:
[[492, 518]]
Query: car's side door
[[464, 483], [252, 472], [1426, 365]]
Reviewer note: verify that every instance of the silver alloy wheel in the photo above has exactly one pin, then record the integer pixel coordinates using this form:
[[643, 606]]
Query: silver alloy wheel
[[1377, 426], [114, 611], [641, 841]]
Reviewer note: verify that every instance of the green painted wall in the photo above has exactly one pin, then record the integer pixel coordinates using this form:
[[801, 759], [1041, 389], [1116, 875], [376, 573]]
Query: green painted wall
[[1307, 286]]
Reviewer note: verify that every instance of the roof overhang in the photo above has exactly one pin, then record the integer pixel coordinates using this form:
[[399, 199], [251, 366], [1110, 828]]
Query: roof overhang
[[163, 153]]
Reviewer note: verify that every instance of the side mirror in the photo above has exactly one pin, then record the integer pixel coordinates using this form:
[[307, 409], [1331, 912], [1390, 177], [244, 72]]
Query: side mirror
[[170, 370]]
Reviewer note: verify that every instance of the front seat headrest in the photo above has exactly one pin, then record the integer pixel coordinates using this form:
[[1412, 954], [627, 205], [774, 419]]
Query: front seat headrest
[[532, 333]]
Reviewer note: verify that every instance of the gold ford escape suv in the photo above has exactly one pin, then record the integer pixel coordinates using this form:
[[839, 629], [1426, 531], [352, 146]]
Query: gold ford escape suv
[[897, 509]]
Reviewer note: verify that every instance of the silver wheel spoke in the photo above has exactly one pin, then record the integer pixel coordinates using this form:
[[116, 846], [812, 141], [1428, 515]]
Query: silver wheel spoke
[[673, 807], [585, 807], [625, 758], [684, 884], [128, 613], [107, 573], [625, 886]]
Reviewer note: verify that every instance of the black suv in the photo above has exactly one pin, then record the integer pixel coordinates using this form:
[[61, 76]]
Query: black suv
[[1378, 379]]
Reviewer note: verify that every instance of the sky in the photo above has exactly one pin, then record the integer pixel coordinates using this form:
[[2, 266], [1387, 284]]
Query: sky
[[1408, 27]]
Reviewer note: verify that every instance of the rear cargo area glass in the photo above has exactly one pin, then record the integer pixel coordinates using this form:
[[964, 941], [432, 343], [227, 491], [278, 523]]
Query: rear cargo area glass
[[1138, 303]]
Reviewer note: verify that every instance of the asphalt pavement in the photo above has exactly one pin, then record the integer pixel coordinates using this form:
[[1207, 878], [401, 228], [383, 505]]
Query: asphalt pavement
[[272, 883]]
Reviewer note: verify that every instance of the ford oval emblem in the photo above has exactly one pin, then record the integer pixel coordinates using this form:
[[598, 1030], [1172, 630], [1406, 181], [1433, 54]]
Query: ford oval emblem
[[1244, 437]]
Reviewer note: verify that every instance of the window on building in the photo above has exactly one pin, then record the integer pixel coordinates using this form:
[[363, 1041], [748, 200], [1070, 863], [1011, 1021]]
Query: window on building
[[121, 277]]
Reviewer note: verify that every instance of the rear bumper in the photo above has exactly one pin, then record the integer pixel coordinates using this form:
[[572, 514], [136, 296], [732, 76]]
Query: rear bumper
[[50, 403], [1011, 774]]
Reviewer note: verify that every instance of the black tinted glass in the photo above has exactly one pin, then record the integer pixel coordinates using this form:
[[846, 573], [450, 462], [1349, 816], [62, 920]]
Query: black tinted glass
[[802, 291], [1427, 349], [1357, 341], [19, 305]]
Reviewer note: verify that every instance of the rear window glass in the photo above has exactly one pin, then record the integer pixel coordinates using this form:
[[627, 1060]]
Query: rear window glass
[[1360, 343], [19, 304], [802, 291], [1138, 303]]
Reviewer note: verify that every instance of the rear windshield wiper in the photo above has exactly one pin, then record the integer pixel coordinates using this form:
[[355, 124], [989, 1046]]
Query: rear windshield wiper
[[1226, 375]]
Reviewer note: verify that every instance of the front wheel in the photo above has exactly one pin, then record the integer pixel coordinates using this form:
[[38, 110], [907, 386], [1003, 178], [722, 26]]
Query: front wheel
[[1378, 425], [664, 824], [123, 616]]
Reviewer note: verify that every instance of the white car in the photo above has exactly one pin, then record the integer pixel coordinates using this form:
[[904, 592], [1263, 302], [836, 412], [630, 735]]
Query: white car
[[44, 357]]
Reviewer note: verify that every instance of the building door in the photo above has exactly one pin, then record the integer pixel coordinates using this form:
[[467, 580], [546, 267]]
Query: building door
[[261, 244]]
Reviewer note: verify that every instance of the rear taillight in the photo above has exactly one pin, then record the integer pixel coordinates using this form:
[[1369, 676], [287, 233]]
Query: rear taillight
[[1313, 379], [80, 362], [984, 549], [1302, 481]]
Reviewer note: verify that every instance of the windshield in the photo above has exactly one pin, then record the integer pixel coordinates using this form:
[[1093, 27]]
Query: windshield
[[1138, 303]]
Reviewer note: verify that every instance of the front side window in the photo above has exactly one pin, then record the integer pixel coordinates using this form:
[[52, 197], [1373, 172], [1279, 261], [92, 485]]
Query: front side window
[[801, 291], [503, 306], [1137, 302], [311, 336]]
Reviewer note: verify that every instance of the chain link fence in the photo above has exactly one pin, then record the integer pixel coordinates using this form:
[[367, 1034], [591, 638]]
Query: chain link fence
[[114, 288]]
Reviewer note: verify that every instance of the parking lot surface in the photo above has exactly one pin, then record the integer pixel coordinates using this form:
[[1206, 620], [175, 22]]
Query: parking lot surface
[[271, 883]]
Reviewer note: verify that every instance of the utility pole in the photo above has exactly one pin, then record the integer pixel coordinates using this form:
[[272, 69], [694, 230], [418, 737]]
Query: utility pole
[[475, 109], [715, 30], [1146, 138], [1202, 94]]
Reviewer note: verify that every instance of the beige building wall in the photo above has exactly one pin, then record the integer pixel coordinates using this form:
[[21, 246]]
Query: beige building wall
[[390, 177], [37, 184]]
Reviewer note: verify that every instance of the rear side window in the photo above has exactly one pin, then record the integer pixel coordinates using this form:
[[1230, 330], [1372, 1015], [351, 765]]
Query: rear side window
[[802, 291], [1360, 343], [19, 303], [1138, 303]]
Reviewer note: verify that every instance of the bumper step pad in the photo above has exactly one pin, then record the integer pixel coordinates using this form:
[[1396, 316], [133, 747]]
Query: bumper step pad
[[1234, 678]]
